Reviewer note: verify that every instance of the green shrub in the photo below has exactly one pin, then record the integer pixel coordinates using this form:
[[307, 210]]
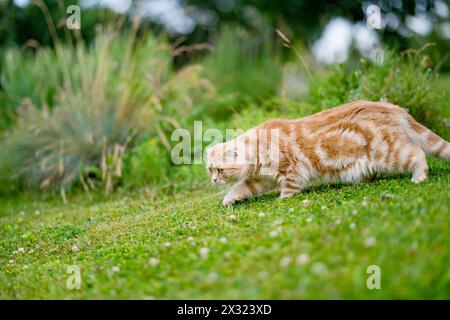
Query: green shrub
[[188, 177], [22, 78], [406, 79], [178, 102], [271, 109], [333, 87], [103, 102], [108, 95], [146, 163], [244, 67]]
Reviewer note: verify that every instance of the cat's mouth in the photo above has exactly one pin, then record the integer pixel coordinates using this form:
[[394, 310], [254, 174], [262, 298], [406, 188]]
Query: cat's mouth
[[219, 182]]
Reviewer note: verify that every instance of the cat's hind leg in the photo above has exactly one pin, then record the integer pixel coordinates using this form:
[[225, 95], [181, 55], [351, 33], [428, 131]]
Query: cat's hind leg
[[409, 158], [417, 164], [248, 188]]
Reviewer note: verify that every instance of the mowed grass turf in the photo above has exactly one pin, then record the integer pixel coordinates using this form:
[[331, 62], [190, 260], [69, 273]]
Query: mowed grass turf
[[317, 244]]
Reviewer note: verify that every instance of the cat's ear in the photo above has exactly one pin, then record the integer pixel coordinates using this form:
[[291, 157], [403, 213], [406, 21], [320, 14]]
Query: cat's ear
[[208, 153]]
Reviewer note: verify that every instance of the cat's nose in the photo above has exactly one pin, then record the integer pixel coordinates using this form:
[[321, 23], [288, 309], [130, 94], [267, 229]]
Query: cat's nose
[[214, 179]]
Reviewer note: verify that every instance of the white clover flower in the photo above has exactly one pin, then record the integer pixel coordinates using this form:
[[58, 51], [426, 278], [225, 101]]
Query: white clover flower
[[303, 258], [263, 275], [285, 262], [37, 212], [75, 249], [212, 276], [364, 203], [227, 254], [309, 219], [352, 225], [278, 222], [354, 212], [291, 210], [21, 250], [15, 252], [305, 202], [232, 217], [153, 261], [115, 269], [261, 214], [190, 239], [323, 207], [204, 252], [318, 267], [167, 244], [223, 240], [11, 261], [370, 241], [275, 233]]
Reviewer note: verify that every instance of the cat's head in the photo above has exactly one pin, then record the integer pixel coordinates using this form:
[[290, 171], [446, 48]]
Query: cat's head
[[224, 162]]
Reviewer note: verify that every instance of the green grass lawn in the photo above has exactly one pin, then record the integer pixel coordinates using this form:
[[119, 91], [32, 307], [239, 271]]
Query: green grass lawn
[[317, 244]]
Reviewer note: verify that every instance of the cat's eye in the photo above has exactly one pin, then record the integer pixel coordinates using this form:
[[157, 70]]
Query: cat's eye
[[220, 170]]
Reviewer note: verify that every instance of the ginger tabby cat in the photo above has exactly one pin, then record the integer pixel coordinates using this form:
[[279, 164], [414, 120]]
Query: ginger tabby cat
[[349, 143]]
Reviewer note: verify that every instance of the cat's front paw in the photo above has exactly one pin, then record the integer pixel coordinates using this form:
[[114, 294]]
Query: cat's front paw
[[286, 194], [230, 200]]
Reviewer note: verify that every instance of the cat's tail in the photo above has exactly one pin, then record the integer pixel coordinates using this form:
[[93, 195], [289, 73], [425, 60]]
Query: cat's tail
[[426, 139]]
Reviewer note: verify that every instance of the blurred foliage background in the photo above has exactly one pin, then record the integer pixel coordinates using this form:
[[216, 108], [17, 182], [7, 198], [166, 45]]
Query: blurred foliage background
[[93, 109]]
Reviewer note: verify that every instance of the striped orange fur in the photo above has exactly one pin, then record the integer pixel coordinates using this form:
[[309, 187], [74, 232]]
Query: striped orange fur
[[348, 143]]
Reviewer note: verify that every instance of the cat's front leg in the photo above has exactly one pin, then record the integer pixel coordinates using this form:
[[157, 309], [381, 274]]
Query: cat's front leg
[[236, 194], [247, 188], [289, 186]]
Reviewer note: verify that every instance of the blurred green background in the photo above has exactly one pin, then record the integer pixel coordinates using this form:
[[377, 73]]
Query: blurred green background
[[93, 108]]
